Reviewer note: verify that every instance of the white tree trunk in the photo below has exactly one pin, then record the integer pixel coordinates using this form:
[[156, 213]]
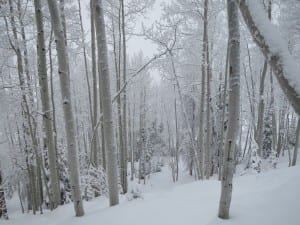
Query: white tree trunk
[[124, 132], [233, 107], [208, 153], [105, 92], [202, 155], [64, 77], [45, 100], [96, 150]]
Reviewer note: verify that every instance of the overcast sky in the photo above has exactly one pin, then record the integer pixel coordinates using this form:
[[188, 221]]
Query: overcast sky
[[135, 43]]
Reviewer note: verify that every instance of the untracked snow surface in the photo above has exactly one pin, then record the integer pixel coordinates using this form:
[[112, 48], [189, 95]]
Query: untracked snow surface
[[271, 198]]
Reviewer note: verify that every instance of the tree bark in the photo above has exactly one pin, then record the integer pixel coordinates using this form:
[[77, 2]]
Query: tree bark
[[44, 92], [272, 108], [223, 115], [297, 144], [261, 110], [64, 77], [208, 153], [203, 76], [124, 153], [94, 118], [111, 156], [176, 137], [3, 208], [117, 61], [233, 106]]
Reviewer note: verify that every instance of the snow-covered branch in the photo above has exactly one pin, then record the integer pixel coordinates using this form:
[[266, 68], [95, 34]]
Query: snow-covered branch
[[275, 49]]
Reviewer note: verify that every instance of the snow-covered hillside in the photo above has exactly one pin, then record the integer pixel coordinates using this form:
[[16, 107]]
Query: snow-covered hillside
[[262, 199]]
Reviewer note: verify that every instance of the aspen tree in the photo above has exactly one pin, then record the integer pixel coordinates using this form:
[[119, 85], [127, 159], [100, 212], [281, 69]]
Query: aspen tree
[[64, 77], [104, 80], [233, 107], [45, 100], [124, 132]]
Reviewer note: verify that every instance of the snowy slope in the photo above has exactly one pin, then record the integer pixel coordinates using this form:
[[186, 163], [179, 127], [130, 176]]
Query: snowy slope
[[269, 198]]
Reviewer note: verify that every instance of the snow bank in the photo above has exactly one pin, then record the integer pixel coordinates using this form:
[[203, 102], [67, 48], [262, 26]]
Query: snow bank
[[267, 198]]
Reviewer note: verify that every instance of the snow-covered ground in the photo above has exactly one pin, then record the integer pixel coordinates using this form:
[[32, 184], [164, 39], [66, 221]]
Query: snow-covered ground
[[262, 199]]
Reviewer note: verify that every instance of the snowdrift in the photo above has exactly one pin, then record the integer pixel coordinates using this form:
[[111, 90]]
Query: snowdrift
[[268, 198]]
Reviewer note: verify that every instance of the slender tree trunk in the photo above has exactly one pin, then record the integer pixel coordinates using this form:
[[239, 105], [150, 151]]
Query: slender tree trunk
[[25, 55], [46, 109], [117, 59], [32, 192], [63, 70], [111, 156], [124, 154], [272, 101], [190, 131], [281, 128], [20, 198], [28, 107], [133, 142], [63, 18], [261, 110], [202, 97], [251, 94], [273, 112], [130, 142], [94, 116], [29, 125], [261, 105], [103, 146], [176, 137], [223, 118], [234, 104], [297, 144], [3, 208], [208, 154], [52, 93], [143, 136], [85, 54]]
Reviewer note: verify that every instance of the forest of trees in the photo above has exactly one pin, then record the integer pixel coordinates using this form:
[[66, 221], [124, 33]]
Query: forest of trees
[[81, 115]]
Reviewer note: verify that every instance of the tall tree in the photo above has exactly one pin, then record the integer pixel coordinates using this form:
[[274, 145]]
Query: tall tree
[[45, 100], [64, 77], [94, 116], [203, 76], [124, 151], [233, 107], [104, 78]]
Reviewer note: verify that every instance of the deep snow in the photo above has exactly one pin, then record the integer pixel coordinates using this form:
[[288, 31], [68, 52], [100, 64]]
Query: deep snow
[[262, 199]]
